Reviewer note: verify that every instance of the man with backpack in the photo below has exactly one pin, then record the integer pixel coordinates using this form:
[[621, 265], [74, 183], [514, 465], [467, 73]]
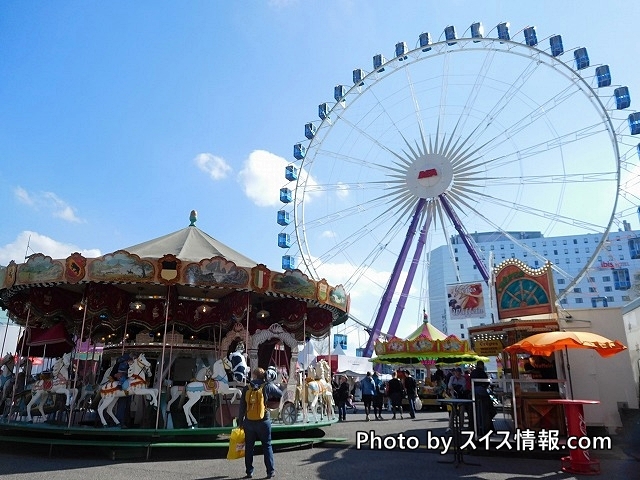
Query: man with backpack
[[254, 418]]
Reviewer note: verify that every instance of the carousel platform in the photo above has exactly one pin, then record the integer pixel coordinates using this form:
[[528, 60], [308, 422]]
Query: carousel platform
[[118, 442]]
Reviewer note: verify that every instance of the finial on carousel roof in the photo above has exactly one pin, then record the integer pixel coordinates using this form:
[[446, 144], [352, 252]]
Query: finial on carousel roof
[[193, 218]]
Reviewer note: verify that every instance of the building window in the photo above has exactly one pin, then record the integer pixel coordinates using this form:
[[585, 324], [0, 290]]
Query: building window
[[557, 261], [524, 254], [501, 247], [586, 250], [577, 290], [563, 301], [482, 249], [577, 259], [555, 252], [608, 289], [586, 240], [634, 247], [533, 244], [502, 256], [462, 326], [566, 251], [610, 299], [462, 335], [455, 250], [554, 243], [544, 252], [606, 278], [626, 298], [544, 243], [575, 241], [536, 263], [566, 260], [599, 258], [608, 248], [591, 279], [564, 242], [562, 290], [592, 289], [579, 300], [561, 281], [621, 279], [513, 255], [491, 247], [576, 250], [619, 247], [621, 257]]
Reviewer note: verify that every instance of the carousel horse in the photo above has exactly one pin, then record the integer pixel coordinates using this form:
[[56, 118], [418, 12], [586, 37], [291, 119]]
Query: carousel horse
[[58, 383], [327, 389], [204, 373], [136, 384], [315, 392], [216, 382], [239, 368]]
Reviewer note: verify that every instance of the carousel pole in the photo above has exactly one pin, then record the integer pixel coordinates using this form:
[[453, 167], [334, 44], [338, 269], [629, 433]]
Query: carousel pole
[[164, 345], [4, 340], [246, 333], [124, 334], [17, 365], [83, 305]]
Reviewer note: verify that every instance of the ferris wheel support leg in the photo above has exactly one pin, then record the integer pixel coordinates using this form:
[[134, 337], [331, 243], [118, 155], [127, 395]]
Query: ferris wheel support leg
[[482, 268], [410, 275], [393, 281]]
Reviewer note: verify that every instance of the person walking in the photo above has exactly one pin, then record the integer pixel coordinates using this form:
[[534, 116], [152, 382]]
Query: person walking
[[411, 388], [456, 389], [254, 405], [368, 391], [395, 390], [378, 397], [342, 397]]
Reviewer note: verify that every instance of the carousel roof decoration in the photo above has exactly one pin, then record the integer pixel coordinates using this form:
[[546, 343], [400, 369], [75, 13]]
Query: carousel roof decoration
[[425, 343], [188, 268]]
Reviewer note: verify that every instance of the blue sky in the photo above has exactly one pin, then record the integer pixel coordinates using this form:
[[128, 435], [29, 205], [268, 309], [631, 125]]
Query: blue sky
[[119, 118]]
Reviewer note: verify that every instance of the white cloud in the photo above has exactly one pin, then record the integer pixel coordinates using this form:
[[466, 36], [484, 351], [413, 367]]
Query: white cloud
[[28, 243], [213, 166], [262, 177], [23, 196], [48, 201], [343, 190]]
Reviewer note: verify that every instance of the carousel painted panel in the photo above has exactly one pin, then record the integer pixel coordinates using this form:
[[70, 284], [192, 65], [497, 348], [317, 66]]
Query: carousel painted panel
[[40, 269], [216, 271], [121, 266], [294, 283]]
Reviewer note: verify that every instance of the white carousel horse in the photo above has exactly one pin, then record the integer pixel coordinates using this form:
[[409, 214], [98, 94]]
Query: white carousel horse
[[327, 389], [203, 375], [315, 392], [239, 368], [59, 383], [136, 384], [217, 382]]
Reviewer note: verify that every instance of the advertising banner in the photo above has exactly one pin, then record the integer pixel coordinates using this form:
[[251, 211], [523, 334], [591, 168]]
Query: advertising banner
[[465, 300]]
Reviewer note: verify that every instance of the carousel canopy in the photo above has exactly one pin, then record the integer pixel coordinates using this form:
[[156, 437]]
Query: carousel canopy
[[186, 279], [189, 245], [426, 343]]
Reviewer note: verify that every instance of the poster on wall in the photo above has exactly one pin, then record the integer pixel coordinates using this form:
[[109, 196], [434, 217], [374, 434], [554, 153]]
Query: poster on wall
[[465, 300]]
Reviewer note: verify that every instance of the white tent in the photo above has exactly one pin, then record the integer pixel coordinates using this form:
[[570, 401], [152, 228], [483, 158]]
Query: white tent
[[307, 356], [338, 351]]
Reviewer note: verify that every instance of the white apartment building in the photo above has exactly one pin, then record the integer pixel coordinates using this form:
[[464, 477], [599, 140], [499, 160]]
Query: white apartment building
[[612, 279]]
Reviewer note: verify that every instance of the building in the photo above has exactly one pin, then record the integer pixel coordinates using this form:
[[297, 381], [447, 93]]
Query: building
[[611, 280]]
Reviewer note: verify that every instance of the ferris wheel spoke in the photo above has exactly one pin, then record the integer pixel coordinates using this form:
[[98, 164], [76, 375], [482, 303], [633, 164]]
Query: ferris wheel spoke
[[539, 213]]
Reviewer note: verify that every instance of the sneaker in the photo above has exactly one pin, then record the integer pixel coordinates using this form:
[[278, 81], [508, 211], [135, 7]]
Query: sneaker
[[271, 475], [248, 475], [367, 419], [401, 417], [393, 418]]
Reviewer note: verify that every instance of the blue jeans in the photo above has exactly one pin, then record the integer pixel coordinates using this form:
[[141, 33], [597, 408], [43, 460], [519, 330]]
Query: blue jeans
[[342, 410], [258, 430]]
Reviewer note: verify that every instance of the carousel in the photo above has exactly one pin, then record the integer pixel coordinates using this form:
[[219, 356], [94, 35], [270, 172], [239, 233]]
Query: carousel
[[156, 341]]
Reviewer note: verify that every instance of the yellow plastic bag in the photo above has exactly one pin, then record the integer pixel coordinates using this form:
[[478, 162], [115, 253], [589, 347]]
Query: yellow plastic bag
[[236, 444]]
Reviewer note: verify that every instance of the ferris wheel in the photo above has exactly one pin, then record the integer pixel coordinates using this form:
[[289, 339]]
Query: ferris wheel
[[502, 132]]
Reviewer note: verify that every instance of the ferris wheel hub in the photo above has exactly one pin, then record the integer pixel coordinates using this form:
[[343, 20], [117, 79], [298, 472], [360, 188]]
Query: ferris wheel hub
[[429, 175]]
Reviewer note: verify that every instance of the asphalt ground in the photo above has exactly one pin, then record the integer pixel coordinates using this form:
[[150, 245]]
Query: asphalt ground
[[334, 460]]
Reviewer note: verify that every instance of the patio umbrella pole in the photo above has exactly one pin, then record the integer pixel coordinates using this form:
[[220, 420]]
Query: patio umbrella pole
[[566, 351], [164, 344], [75, 377]]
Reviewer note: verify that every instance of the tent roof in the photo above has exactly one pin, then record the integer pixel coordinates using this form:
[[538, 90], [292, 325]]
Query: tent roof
[[429, 331], [338, 351], [189, 244]]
